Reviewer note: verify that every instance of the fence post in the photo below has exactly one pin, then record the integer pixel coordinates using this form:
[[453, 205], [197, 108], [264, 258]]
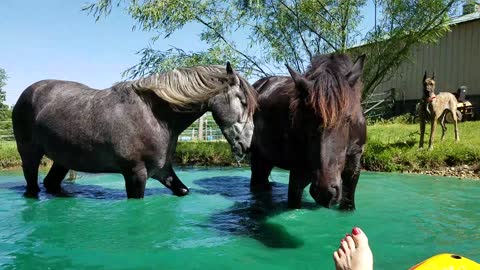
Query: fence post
[[200, 128]]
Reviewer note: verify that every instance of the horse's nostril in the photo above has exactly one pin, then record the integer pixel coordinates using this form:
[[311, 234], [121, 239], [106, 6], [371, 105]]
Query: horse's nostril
[[335, 190]]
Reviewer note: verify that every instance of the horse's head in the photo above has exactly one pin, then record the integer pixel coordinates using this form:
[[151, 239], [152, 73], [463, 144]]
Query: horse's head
[[325, 110], [233, 109], [428, 86]]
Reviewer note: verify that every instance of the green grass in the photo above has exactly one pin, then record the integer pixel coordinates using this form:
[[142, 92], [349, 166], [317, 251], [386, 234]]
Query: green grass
[[394, 147], [204, 153], [9, 156]]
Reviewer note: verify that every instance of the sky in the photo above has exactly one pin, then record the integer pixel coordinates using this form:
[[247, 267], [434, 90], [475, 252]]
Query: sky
[[55, 39]]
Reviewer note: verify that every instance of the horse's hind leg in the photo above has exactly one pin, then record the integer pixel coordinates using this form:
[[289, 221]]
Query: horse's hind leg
[[52, 182], [169, 179], [31, 156], [260, 171]]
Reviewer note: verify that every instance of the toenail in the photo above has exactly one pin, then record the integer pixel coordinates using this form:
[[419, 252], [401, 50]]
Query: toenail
[[356, 231]]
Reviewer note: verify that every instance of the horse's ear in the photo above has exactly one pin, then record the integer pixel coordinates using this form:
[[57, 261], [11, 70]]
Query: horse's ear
[[233, 80], [424, 76], [301, 83], [356, 70], [433, 76], [229, 68]]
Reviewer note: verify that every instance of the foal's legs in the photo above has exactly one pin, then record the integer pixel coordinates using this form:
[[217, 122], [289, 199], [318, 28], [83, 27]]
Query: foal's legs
[[433, 122], [442, 123], [54, 178], [260, 171], [135, 181], [455, 120], [169, 178], [31, 156], [422, 128]]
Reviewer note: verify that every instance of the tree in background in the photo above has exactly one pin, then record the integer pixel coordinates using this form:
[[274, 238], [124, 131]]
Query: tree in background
[[5, 112], [285, 31]]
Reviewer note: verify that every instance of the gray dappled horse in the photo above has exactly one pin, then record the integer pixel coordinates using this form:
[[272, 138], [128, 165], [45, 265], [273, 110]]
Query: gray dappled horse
[[312, 125], [130, 128]]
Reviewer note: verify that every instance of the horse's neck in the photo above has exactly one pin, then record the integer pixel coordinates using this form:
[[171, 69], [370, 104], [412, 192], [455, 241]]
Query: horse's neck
[[177, 119]]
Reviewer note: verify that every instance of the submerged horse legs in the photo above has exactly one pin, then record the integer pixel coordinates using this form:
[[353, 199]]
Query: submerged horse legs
[[260, 171], [297, 183], [350, 176], [169, 179], [31, 156], [52, 182]]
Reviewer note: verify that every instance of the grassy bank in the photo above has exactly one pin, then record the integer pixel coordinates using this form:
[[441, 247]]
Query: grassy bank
[[391, 147], [188, 153], [394, 147]]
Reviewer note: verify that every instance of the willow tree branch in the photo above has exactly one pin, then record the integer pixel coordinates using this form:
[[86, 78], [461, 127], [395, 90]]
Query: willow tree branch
[[231, 46], [309, 27]]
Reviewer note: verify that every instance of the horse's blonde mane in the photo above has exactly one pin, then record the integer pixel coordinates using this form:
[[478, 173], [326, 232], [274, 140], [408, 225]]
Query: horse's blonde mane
[[184, 86]]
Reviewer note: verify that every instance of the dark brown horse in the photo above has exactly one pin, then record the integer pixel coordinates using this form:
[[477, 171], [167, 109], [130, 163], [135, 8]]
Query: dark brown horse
[[312, 125]]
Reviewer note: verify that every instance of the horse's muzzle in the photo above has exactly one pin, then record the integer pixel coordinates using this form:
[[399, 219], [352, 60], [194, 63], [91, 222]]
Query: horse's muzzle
[[326, 196]]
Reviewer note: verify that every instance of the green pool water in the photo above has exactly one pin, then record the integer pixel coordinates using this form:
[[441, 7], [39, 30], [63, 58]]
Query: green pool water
[[220, 225]]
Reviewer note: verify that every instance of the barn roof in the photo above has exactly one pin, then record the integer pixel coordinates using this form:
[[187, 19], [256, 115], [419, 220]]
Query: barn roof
[[466, 18]]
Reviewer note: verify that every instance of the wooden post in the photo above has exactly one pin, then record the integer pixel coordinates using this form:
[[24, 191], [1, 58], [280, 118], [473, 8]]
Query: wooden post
[[200, 128], [206, 129]]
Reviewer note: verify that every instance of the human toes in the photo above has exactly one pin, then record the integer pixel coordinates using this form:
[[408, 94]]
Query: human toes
[[350, 242], [359, 237], [345, 247]]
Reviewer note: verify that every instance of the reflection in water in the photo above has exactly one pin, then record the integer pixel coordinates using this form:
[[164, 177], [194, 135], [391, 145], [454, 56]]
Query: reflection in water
[[250, 211]]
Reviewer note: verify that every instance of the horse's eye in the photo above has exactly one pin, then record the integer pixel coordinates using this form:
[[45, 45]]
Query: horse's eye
[[243, 100]]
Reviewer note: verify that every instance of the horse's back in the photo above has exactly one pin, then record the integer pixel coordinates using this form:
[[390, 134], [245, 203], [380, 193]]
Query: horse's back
[[38, 95], [266, 86], [272, 121]]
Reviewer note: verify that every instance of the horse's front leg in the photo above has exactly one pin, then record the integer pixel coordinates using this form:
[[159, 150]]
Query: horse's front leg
[[169, 179], [297, 183], [350, 176], [261, 169]]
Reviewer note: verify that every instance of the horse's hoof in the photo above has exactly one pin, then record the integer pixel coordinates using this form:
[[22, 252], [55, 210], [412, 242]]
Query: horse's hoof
[[31, 194], [347, 207], [53, 189]]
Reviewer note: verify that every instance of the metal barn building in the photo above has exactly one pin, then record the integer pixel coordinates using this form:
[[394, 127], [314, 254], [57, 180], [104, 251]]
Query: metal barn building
[[455, 59]]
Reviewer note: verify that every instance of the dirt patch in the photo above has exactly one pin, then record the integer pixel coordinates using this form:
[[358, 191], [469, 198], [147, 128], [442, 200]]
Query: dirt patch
[[461, 172]]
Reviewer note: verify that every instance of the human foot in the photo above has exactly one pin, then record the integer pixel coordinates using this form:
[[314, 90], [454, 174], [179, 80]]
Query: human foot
[[354, 252]]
